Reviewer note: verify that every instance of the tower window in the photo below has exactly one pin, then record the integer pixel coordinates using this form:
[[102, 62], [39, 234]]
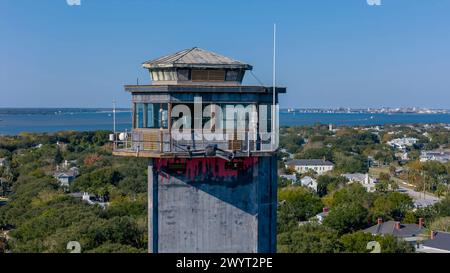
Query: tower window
[[232, 75], [183, 75], [164, 75], [151, 115]]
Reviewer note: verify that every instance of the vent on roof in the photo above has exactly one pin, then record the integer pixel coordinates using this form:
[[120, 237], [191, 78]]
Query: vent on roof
[[208, 75]]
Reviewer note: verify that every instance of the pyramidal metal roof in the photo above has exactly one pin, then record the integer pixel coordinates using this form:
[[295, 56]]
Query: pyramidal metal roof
[[196, 58]]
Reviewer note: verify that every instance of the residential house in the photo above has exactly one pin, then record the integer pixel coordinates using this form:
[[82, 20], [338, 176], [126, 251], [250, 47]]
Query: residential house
[[368, 182], [65, 178], [408, 232], [425, 202], [319, 166], [439, 242], [91, 199], [290, 177], [441, 156], [402, 143], [321, 216], [402, 156], [309, 182]]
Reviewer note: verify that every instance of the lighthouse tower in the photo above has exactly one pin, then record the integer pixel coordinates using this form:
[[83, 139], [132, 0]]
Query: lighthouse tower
[[211, 144]]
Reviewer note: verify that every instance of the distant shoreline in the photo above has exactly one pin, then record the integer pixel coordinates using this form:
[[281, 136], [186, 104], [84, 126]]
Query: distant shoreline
[[57, 111], [49, 120], [340, 110]]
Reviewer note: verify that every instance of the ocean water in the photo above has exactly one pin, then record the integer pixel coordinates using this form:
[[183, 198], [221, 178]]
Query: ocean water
[[292, 119], [15, 121], [12, 124]]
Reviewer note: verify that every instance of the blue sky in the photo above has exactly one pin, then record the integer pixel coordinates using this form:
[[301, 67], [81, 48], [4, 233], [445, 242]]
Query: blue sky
[[331, 53]]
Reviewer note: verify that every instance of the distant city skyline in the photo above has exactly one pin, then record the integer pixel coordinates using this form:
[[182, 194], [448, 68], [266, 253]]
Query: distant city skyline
[[330, 54]]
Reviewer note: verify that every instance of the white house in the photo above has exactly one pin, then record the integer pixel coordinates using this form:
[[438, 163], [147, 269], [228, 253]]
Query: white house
[[365, 180], [402, 143], [65, 178], [441, 156], [309, 182], [319, 166], [91, 199]]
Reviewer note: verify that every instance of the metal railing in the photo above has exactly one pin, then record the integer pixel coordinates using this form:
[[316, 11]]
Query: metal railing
[[162, 142]]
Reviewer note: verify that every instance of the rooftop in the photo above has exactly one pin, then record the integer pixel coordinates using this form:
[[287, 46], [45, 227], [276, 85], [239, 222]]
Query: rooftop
[[360, 177], [441, 241], [406, 230], [72, 172], [308, 179], [309, 162], [436, 153], [195, 58]]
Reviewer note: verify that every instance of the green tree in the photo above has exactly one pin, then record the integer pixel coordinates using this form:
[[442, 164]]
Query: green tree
[[441, 189], [392, 205], [347, 217], [58, 157], [316, 153], [357, 243], [309, 238], [441, 224], [391, 244], [350, 164], [326, 183], [353, 193], [296, 204]]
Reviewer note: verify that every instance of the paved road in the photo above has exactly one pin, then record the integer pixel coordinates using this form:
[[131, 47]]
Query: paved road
[[419, 199]]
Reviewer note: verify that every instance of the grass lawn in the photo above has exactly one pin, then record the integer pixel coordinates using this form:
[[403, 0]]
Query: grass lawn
[[376, 171]]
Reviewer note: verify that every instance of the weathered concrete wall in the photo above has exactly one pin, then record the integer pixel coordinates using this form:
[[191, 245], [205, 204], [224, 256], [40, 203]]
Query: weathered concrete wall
[[208, 205]]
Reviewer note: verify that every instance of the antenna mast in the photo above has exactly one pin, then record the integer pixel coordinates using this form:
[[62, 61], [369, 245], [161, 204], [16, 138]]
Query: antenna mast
[[274, 84]]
